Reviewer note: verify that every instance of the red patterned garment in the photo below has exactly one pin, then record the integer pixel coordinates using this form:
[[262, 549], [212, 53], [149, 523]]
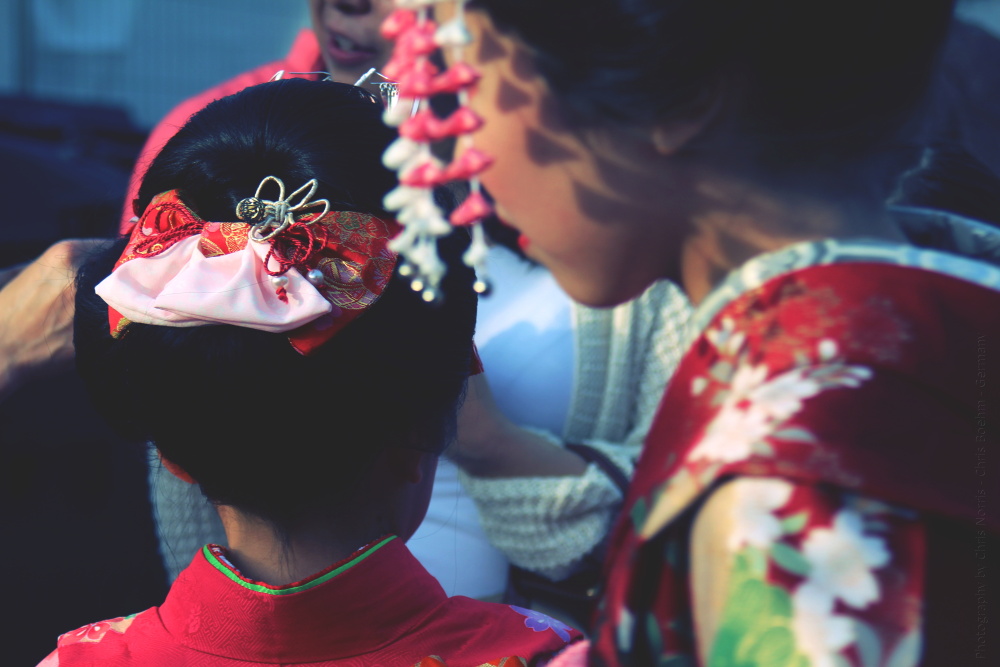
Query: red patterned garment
[[350, 250], [379, 607], [844, 384]]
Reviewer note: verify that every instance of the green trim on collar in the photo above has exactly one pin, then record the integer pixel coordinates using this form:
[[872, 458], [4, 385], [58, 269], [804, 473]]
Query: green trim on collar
[[260, 588]]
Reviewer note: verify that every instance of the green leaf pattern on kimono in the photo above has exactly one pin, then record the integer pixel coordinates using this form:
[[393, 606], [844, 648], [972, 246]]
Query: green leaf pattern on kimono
[[766, 624], [756, 626]]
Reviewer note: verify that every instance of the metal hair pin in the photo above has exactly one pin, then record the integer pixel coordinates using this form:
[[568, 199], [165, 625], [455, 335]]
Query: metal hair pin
[[270, 218], [388, 89]]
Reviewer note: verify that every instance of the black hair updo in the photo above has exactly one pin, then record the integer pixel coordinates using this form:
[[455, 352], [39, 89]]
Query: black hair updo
[[259, 426]]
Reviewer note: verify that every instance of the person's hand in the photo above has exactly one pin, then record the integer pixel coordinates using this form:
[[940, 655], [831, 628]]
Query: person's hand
[[490, 445], [36, 313]]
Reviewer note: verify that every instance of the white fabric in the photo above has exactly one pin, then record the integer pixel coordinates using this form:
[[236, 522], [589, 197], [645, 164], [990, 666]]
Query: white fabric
[[451, 544], [185, 520], [181, 287], [525, 339], [524, 334], [624, 357]]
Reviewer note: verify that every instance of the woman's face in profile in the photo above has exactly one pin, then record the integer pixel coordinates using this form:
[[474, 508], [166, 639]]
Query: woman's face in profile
[[584, 206]]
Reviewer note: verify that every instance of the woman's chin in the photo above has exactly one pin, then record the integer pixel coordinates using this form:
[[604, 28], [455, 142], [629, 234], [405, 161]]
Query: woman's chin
[[596, 294]]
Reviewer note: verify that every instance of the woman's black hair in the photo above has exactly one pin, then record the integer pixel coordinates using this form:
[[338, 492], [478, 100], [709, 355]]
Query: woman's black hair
[[812, 84], [259, 426]]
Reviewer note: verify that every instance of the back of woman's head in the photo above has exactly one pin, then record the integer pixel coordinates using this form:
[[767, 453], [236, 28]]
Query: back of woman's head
[[292, 129], [259, 426], [808, 83]]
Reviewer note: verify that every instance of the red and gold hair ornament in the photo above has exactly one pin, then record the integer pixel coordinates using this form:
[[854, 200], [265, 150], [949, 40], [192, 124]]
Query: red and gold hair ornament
[[286, 267]]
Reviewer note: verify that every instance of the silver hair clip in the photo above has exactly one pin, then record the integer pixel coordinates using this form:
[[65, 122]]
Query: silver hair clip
[[364, 77], [388, 89], [270, 218], [389, 92]]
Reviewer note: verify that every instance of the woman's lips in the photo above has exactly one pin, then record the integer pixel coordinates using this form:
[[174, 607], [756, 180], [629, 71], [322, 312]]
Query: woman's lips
[[345, 51]]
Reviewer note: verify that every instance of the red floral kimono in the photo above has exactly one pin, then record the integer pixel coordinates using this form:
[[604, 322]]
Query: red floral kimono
[[379, 607], [847, 385]]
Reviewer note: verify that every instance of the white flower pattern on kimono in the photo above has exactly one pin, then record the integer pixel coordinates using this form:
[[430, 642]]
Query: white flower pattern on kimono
[[782, 397], [755, 408], [731, 435], [755, 523], [746, 380], [726, 338], [842, 559], [819, 633]]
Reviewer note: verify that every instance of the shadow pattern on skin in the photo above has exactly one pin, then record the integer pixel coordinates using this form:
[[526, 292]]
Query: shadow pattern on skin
[[490, 49], [545, 150], [604, 209], [510, 97]]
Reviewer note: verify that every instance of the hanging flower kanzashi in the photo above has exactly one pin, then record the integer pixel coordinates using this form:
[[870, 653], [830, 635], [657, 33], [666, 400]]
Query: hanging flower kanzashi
[[418, 37]]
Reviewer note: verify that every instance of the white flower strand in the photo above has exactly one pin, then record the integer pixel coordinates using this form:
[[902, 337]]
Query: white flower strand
[[416, 211], [422, 221]]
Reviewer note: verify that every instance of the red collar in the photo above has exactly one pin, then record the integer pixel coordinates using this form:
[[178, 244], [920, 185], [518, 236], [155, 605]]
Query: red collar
[[341, 612]]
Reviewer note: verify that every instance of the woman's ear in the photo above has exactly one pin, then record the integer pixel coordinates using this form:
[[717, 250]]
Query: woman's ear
[[405, 464], [175, 469], [672, 136], [669, 138]]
